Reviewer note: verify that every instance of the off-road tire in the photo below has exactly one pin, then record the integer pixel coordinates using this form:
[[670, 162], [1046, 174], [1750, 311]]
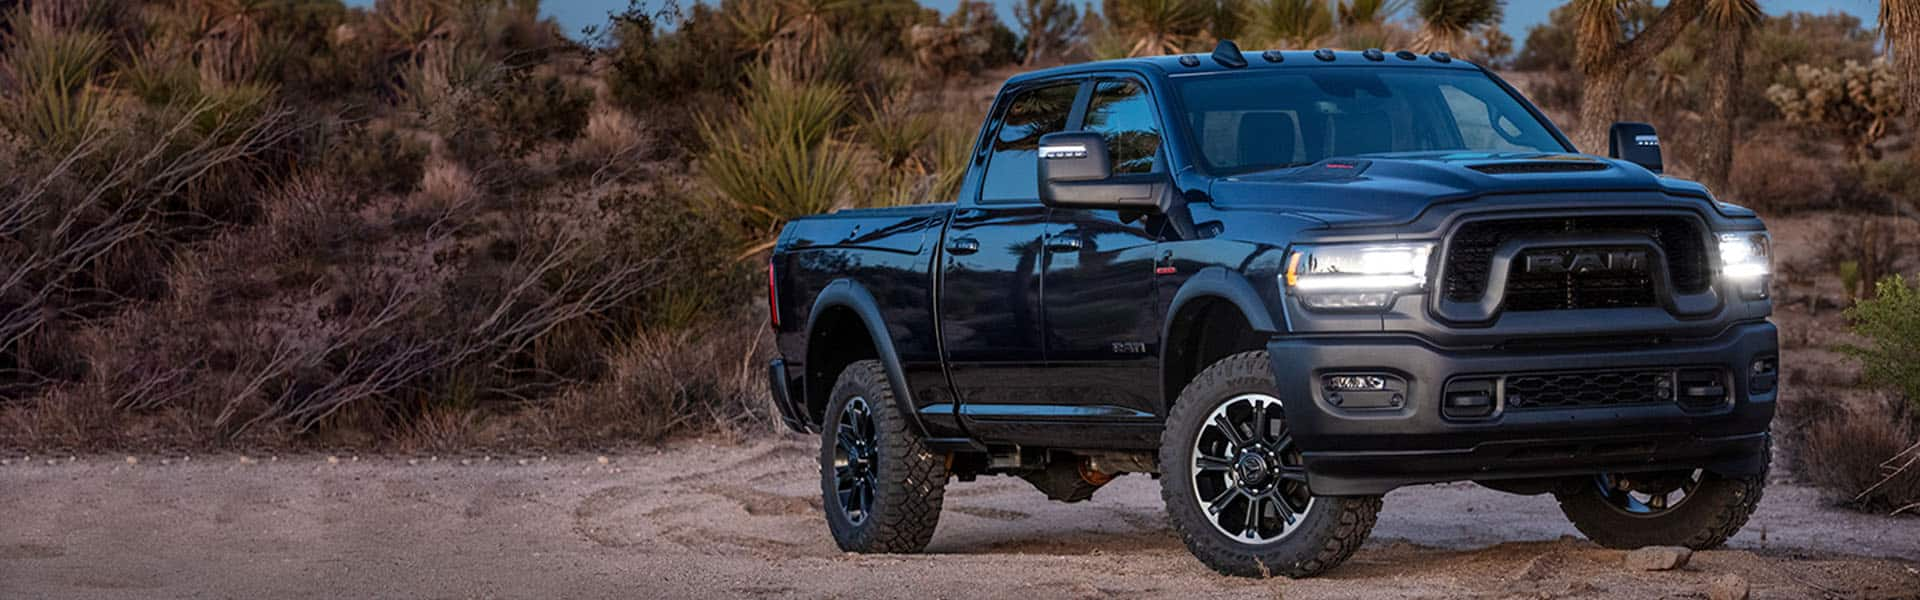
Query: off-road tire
[[1706, 519], [1333, 528], [911, 480]]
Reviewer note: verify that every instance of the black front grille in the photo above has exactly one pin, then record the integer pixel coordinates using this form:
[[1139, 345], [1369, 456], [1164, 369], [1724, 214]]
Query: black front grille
[[1470, 255], [1631, 286], [1589, 389]]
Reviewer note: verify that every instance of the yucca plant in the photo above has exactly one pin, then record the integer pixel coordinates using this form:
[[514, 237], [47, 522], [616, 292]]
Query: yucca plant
[[1361, 13], [1900, 26], [1447, 23], [896, 132], [1158, 26], [1290, 23], [774, 158], [55, 102], [1608, 59]]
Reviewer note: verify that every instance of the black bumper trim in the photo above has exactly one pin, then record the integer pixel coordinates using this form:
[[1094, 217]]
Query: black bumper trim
[[1350, 452], [793, 415], [1370, 473]]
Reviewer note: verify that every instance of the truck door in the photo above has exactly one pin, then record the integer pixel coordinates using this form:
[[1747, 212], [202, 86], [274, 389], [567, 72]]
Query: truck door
[[990, 316], [1102, 326]]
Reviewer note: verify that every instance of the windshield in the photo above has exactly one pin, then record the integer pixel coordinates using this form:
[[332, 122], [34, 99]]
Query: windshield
[[1253, 121]]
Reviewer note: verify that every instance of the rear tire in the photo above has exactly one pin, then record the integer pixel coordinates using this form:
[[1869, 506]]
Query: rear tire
[[1698, 510], [881, 488], [1250, 470]]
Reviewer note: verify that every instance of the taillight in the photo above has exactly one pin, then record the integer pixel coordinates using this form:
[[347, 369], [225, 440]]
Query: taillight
[[773, 298]]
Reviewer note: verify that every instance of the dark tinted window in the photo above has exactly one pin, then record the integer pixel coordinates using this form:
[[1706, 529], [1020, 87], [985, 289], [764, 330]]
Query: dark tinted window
[[1253, 121], [1121, 111], [1012, 171]]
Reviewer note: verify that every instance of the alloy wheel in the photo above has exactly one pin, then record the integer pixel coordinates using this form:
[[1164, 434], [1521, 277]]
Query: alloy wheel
[[1648, 494], [855, 460], [1248, 475]]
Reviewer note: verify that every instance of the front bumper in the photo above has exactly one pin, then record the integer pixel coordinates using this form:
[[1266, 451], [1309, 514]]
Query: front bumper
[[1359, 451]]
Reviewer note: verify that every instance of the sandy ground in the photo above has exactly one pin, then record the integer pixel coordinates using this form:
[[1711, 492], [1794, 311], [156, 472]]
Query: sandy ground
[[726, 521]]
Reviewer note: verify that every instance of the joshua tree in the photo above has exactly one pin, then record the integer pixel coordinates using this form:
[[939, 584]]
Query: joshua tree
[[1158, 26], [1448, 22], [1609, 59], [1053, 26], [1900, 24], [1736, 19]]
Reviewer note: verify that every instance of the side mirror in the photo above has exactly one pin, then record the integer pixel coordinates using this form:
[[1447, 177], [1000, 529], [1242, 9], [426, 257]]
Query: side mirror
[[1075, 172], [1636, 143]]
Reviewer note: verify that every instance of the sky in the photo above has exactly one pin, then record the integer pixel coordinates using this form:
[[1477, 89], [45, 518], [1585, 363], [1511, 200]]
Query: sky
[[1521, 14]]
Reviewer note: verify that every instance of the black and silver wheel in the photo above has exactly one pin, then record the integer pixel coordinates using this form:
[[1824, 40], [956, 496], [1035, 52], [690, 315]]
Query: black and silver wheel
[[1247, 473], [1693, 508], [882, 488], [1236, 486]]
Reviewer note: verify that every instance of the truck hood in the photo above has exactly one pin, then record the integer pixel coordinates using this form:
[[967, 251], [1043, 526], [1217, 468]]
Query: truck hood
[[1397, 188]]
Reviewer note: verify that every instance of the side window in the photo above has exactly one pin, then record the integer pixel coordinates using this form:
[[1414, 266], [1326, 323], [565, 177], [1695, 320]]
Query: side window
[[1121, 111], [1013, 170]]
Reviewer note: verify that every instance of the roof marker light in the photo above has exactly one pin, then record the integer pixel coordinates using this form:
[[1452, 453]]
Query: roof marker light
[[1441, 57], [1374, 54], [1189, 60], [1325, 54], [1406, 55], [1273, 56]]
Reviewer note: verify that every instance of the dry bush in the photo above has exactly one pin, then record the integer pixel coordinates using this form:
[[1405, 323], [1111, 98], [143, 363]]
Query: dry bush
[[705, 379], [1774, 176], [1869, 459]]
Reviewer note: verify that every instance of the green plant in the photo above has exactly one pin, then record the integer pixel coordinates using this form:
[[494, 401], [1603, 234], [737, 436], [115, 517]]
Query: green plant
[[773, 159], [1855, 101], [55, 102], [1890, 322], [1289, 23], [1158, 26], [1447, 23]]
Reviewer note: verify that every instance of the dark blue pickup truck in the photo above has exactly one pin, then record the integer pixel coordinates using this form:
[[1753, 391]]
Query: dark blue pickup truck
[[1283, 284]]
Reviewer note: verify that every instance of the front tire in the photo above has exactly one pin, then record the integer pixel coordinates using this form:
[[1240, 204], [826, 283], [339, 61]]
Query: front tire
[[1695, 509], [1235, 486], [881, 488]]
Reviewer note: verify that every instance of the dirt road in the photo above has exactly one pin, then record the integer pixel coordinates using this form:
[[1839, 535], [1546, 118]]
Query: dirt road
[[703, 521]]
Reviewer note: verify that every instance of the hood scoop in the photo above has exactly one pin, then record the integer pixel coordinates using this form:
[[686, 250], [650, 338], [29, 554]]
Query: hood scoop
[[1538, 166]]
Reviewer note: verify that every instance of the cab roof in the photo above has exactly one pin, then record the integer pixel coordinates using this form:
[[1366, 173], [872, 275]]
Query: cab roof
[[1220, 61]]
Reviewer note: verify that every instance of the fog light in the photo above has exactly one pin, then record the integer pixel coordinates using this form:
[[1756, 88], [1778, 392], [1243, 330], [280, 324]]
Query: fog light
[[1364, 391], [1356, 383], [1763, 376]]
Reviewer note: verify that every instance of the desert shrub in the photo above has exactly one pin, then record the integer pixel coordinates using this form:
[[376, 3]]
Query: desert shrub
[[374, 159], [705, 379], [1890, 322], [54, 102], [1774, 175], [773, 159], [1864, 250], [650, 66], [1856, 101], [1868, 460]]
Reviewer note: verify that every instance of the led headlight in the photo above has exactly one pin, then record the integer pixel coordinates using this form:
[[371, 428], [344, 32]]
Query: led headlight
[[1746, 261], [1746, 255], [1356, 276]]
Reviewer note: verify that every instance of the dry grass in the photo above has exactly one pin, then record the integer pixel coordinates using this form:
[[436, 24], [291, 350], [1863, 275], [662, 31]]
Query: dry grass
[[1870, 459]]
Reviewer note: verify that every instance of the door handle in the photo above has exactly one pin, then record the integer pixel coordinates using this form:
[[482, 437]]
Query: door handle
[[1063, 243], [963, 246]]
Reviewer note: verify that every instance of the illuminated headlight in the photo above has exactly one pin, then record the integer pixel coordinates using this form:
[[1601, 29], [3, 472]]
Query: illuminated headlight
[[1356, 276], [1745, 256]]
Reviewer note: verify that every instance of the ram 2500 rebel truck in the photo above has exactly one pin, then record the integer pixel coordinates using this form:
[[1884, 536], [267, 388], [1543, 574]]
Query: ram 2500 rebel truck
[[1283, 284]]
